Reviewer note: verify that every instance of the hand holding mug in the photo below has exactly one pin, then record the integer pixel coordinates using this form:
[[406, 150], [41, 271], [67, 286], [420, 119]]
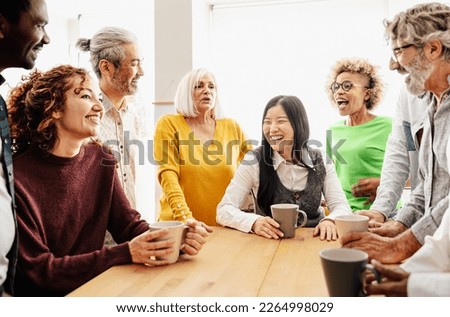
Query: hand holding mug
[[287, 216], [267, 227], [148, 248]]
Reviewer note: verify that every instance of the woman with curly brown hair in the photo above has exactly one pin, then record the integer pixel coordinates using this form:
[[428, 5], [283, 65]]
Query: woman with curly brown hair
[[358, 143], [67, 189]]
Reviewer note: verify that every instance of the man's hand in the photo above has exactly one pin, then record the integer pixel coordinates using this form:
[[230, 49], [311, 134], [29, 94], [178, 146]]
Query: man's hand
[[390, 228], [384, 249], [375, 216], [394, 281]]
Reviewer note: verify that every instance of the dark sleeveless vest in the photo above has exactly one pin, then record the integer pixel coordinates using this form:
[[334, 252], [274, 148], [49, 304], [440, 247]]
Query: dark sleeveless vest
[[308, 199]]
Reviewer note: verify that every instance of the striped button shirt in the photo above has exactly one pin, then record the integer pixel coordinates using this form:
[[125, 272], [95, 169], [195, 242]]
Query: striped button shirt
[[124, 131]]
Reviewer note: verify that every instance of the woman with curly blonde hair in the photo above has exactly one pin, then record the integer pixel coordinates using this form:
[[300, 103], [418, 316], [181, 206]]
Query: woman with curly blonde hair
[[358, 143]]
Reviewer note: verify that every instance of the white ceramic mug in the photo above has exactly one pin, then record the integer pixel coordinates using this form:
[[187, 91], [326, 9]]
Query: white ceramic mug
[[350, 223], [177, 231]]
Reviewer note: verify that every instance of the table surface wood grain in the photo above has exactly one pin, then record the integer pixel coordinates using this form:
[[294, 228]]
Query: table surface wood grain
[[231, 263]]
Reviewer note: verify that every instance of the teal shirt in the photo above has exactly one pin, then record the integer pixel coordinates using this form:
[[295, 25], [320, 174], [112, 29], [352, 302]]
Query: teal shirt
[[358, 152]]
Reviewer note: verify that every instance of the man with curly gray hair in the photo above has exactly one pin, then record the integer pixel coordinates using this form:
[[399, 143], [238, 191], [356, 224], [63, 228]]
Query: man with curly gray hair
[[420, 40], [355, 88]]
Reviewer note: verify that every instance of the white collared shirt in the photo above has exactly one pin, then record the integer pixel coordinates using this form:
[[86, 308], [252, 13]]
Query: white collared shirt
[[293, 177]]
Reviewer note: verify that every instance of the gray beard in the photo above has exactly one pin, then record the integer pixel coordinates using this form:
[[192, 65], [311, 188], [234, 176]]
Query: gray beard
[[419, 71]]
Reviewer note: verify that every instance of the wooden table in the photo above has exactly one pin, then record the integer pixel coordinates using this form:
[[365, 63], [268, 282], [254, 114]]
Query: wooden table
[[231, 263]]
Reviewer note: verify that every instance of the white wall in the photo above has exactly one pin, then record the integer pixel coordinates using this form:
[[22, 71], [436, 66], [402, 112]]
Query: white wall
[[70, 20], [266, 48]]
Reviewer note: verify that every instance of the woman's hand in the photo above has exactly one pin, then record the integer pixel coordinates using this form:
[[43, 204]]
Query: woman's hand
[[366, 187], [195, 237], [267, 227], [326, 229], [144, 248]]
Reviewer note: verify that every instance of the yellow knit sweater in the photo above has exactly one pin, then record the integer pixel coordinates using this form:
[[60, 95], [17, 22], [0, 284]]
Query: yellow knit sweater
[[194, 175]]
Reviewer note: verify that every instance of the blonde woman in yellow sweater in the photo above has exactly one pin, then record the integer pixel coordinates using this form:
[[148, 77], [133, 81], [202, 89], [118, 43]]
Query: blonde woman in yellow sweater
[[197, 151]]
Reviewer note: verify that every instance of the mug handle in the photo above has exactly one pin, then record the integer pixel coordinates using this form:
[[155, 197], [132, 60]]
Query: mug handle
[[305, 218], [374, 271], [183, 238]]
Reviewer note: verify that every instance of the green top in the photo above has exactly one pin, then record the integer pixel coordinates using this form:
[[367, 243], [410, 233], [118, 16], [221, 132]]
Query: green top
[[358, 152]]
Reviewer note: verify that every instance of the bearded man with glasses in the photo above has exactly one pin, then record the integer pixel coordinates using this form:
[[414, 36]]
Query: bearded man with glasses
[[427, 65]]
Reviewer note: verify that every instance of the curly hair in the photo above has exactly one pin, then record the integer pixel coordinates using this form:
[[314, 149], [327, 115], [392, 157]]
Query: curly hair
[[31, 106], [358, 66], [420, 24]]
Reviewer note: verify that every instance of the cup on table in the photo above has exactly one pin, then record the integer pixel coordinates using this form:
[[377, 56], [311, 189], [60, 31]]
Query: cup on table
[[177, 231], [287, 216], [351, 223], [344, 271]]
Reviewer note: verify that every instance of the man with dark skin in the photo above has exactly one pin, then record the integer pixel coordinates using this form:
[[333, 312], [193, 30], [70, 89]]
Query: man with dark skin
[[22, 36]]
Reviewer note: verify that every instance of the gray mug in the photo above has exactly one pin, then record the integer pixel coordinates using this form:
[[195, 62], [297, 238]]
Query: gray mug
[[344, 271], [287, 216]]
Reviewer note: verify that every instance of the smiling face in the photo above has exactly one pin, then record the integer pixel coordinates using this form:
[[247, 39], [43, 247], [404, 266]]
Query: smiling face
[[82, 112], [353, 101], [278, 131], [418, 69], [204, 94], [125, 79], [25, 39]]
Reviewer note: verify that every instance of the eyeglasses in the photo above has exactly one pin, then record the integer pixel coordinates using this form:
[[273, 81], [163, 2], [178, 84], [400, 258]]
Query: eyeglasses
[[398, 50], [346, 85]]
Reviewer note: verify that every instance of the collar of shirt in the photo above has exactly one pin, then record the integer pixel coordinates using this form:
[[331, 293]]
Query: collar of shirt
[[108, 105], [446, 93], [278, 160]]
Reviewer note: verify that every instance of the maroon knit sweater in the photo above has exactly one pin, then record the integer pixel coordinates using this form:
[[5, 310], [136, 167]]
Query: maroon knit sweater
[[64, 207]]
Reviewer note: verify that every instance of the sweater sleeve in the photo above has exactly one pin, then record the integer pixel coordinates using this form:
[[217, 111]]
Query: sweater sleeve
[[125, 223], [167, 155], [59, 273], [246, 144]]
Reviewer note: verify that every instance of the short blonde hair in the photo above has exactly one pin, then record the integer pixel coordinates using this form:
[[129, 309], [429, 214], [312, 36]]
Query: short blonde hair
[[358, 66], [184, 103]]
